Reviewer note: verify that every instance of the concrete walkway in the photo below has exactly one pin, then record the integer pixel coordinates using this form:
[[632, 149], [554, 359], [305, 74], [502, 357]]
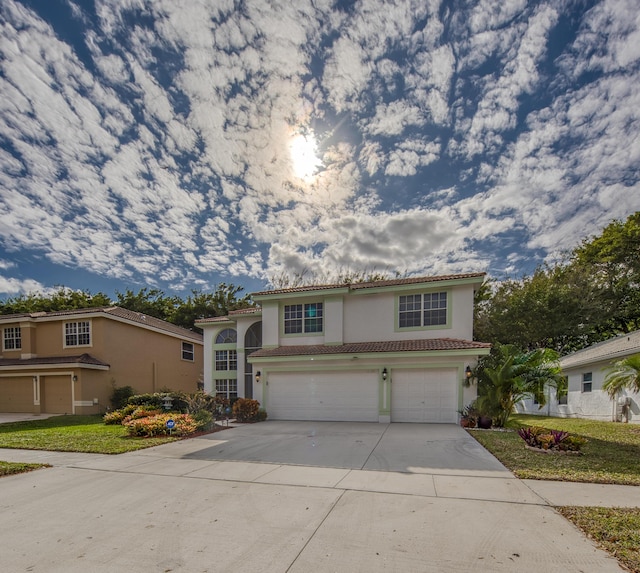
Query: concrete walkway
[[207, 504]]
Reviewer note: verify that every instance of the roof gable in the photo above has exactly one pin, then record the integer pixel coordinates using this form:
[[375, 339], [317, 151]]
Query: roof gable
[[609, 350]]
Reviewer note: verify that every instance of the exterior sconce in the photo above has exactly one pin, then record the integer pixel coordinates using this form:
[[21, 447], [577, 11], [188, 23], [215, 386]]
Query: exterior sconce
[[35, 378], [258, 376], [467, 372], [384, 374], [75, 378]]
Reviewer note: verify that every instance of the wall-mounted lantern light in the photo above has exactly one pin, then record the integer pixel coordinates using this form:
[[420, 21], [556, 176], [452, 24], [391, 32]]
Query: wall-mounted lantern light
[[75, 378], [467, 372], [385, 374], [258, 376]]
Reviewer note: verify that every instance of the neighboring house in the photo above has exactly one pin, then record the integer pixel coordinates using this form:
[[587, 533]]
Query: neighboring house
[[586, 370], [68, 362], [393, 350]]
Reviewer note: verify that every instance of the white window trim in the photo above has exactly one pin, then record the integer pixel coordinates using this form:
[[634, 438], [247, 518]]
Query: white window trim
[[14, 338], [64, 334], [192, 351]]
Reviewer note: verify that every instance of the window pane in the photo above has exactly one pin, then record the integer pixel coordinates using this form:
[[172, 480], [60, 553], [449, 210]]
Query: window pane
[[293, 318], [435, 309], [409, 310], [187, 351], [227, 336], [221, 360], [313, 317], [233, 360]]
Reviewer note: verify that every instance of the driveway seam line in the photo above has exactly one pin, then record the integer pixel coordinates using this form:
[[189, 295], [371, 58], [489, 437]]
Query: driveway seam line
[[374, 448], [333, 505]]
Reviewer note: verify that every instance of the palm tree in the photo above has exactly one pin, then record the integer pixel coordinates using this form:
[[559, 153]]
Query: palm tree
[[623, 374], [509, 375]]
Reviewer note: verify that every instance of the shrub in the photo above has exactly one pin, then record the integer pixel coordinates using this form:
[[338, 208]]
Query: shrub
[[117, 416], [262, 415], [157, 425], [245, 410], [156, 400], [120, 395], [557, 440], [203, 420]]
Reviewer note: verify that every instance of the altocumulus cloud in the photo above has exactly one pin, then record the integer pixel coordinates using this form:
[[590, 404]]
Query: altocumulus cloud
[[149, 141]]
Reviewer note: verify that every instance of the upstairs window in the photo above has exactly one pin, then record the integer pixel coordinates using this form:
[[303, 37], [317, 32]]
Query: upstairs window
[[188, 352], [12, 339], [303, 318], [226, 360], [77, 333], [420, 310], [227, 336], [587, 382]]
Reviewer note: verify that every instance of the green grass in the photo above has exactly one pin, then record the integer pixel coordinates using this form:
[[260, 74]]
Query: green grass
[[10, 468], [73, 434], [611, 455], [616, 530]]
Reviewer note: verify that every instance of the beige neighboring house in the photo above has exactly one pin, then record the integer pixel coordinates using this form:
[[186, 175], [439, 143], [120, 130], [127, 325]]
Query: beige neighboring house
[[383, 351], [68, 362], [586, 370]]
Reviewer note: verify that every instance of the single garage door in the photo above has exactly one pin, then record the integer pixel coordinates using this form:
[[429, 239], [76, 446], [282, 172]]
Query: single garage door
[[56, 394], [425, 395], [332, 396], [16, 394]]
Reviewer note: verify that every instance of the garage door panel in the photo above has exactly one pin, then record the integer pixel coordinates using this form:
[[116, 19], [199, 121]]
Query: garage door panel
[[16, 394], [424, 396], [330, 396]]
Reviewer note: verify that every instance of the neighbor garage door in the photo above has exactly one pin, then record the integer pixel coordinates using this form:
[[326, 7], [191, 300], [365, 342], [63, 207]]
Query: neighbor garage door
[[428, 395], [330, 396], [16, 394]]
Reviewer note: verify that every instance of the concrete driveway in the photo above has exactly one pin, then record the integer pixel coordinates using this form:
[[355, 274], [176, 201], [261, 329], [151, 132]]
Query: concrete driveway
[[288, 497]]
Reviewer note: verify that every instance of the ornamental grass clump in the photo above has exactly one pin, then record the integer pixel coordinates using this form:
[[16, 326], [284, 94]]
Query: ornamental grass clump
[[551, 440]]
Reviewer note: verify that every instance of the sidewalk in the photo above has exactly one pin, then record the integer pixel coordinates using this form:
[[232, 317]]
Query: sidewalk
[[166, 460]]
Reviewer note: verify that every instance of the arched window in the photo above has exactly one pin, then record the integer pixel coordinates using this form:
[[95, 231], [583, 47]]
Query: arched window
[[252, 342], [227, 336]]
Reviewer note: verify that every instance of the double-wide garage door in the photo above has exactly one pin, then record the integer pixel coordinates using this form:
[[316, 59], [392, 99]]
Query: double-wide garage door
[[334, 396], [425, 395], [421, 395]]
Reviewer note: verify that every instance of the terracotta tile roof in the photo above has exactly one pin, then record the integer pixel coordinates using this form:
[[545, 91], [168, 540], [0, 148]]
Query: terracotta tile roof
[[80, 359], [421, 345], [115, 311], [232, 313], [373, 284], [613, 349]]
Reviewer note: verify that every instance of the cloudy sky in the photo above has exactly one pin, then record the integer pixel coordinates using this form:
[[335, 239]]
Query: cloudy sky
[[178, 144]]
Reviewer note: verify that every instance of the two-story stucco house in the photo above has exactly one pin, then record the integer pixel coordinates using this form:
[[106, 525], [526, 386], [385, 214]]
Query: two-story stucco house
[[393, 350], [68, 362]]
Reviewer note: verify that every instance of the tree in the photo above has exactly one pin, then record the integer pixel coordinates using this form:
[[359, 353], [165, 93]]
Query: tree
[[623, 374], [62, 299], [151, 302], [614, 260], [205, 305], [590, 296], [508, 375]]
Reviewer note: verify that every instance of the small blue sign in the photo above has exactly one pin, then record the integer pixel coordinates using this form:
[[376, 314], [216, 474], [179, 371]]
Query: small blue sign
[[171, 424]]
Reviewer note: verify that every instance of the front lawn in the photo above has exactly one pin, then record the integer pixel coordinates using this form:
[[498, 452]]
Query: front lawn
[[86, 434], [611, 454], [10, 468], [616, 530]]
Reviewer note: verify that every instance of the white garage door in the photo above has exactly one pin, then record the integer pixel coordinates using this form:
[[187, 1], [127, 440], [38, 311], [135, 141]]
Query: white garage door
[[429, 395], [334, 396]]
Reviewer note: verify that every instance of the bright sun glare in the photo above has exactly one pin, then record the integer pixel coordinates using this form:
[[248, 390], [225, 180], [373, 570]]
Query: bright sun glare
[[303, 150]]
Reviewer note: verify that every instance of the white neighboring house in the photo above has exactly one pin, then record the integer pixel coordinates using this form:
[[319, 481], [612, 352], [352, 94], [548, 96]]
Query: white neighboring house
[[586, 370], [394, 350]]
